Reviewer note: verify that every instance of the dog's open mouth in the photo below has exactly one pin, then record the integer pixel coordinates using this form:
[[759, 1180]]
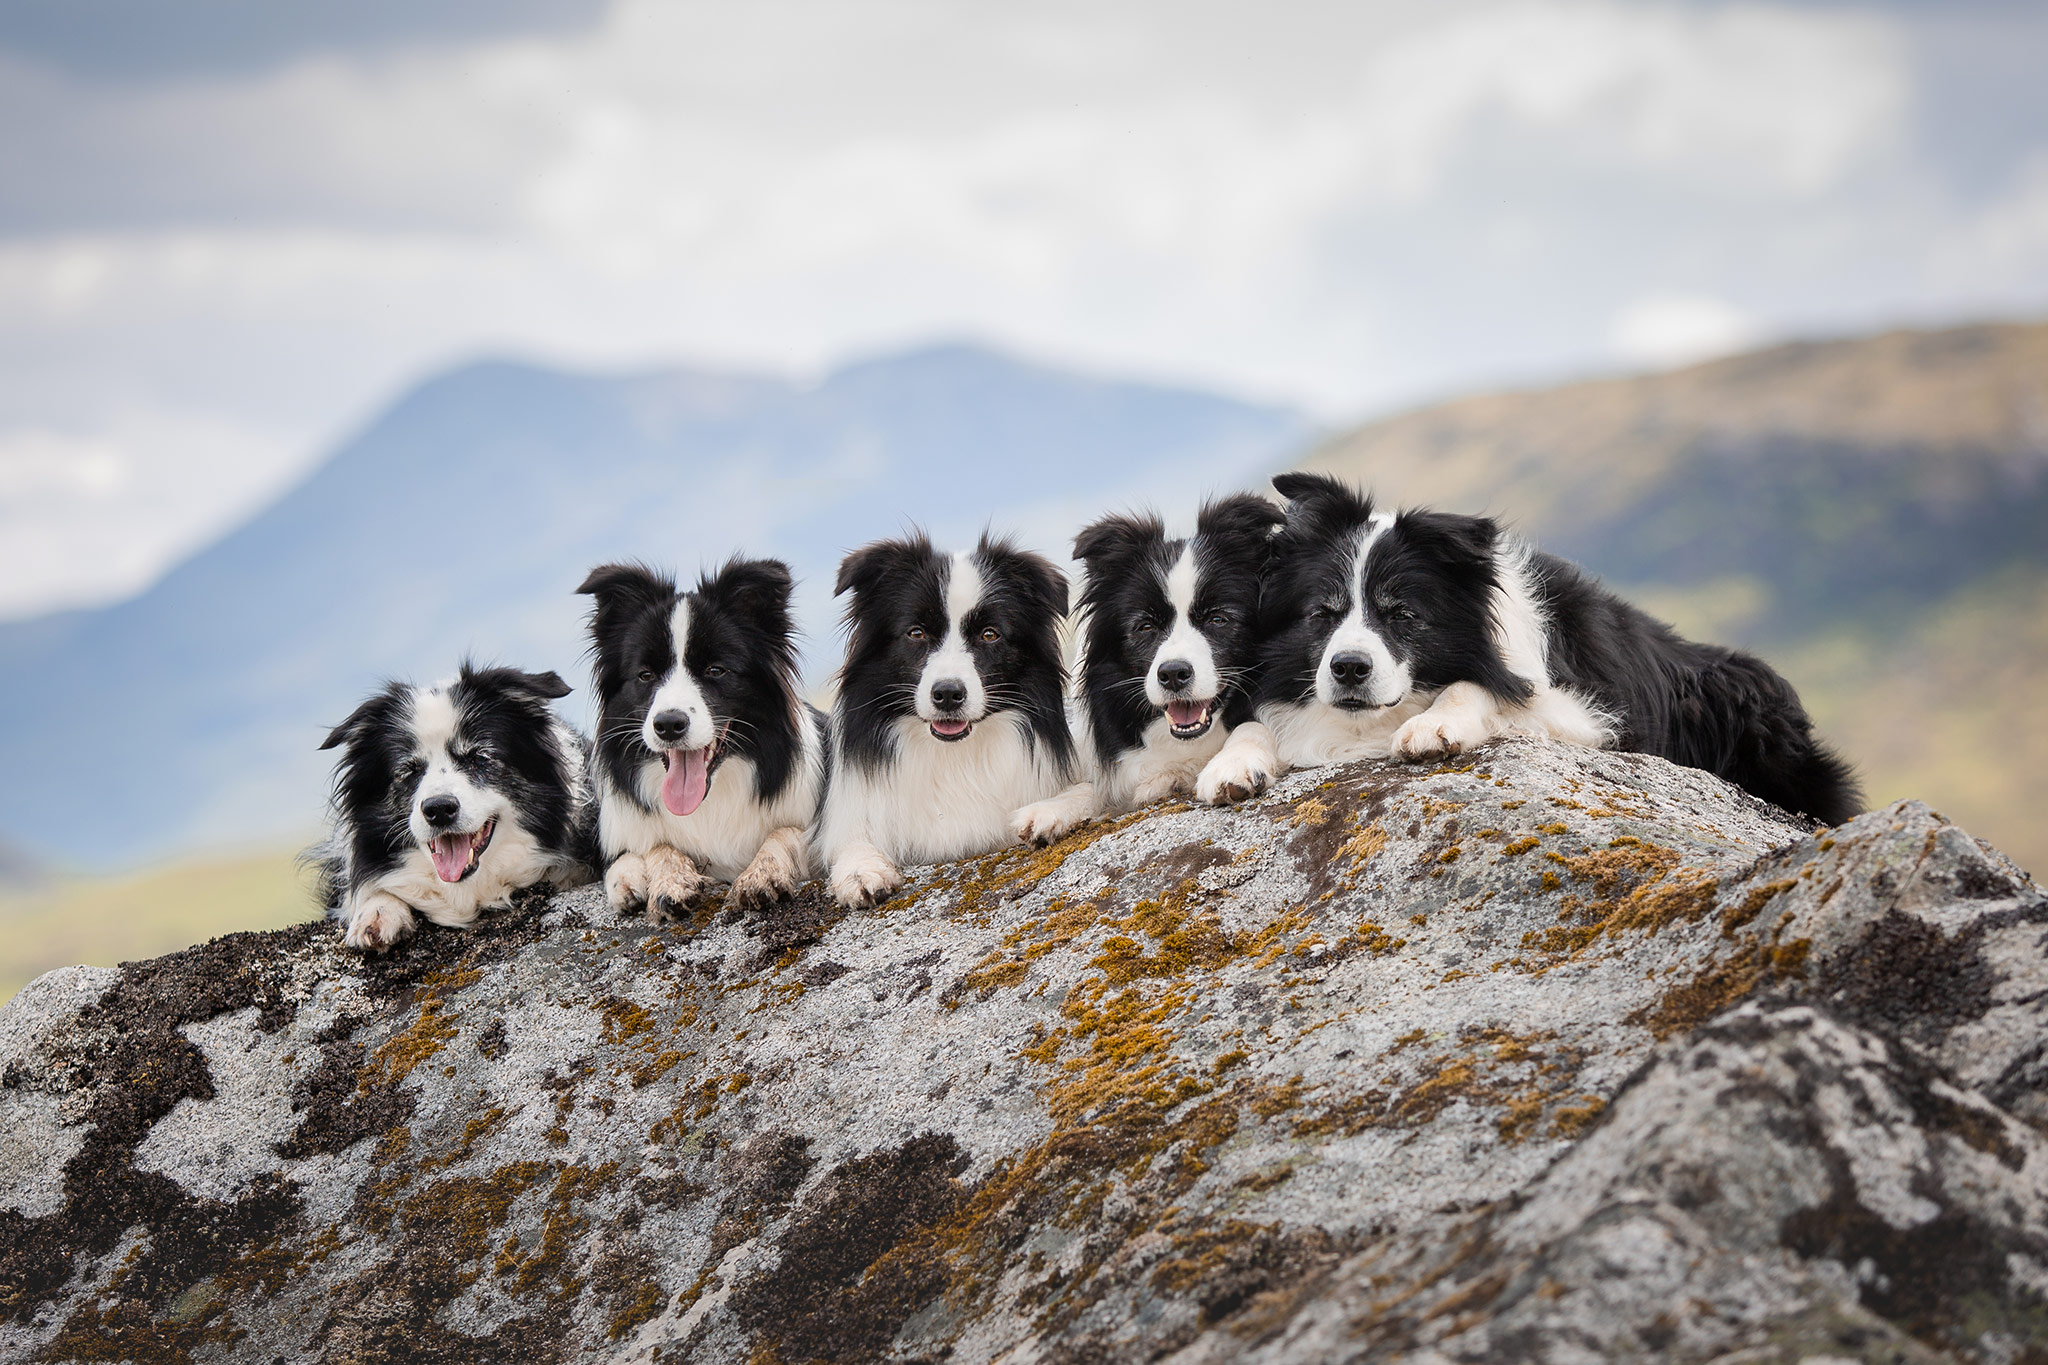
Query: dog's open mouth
[[1190, 719], [688, 779], [950, 728], [456, 856]]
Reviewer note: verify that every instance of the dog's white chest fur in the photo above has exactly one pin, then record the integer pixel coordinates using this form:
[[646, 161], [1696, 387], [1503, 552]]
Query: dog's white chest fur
[[1158, 765], [724, 833], [936, 801]]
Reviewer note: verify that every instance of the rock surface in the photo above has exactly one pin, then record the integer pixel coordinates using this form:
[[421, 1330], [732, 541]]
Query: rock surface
[[1544, 1054]]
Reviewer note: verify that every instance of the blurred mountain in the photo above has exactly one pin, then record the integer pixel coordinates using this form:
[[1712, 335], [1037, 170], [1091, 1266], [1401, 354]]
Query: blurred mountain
[[1871, 514], [462, 519]]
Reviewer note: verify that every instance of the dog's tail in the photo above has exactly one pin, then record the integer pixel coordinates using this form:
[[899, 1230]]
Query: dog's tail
[[1751, 728]]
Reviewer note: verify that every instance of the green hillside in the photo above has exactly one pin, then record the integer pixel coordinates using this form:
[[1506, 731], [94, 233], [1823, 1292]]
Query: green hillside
[[106, 921], [1871, 514]]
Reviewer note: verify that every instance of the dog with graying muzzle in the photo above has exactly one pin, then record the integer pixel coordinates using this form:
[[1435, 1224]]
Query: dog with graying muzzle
[[450, 798]]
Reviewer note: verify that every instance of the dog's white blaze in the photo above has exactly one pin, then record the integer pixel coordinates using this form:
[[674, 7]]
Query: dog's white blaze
[[435, 722], [722, 835], [1184, 639], [1390, 679], [953, 660], [679, 692]]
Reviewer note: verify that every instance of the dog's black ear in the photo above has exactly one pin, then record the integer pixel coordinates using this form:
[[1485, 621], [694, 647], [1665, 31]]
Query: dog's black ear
[[622, 592], [1240, 517], [1036, 576], [1115, 538], [357, 719], [1461, 544], [548, 685], [1319, 504], [755, 588], [865, 568]]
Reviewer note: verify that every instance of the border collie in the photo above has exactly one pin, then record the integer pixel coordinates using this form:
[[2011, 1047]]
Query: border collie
[[708, 762], [1168, 644], [448, 799], [950, 712], [1419, 634]]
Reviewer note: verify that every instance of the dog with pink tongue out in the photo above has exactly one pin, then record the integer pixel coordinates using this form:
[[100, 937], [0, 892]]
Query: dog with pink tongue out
[[709, 766]]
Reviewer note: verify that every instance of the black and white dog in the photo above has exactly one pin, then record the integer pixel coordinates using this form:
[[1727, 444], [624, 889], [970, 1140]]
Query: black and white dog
[[448, 799], [1420, 633], [950, 712], [1168, 644], [708, 762]]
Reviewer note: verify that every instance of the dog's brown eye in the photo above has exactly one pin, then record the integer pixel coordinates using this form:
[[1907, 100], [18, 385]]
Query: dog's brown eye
[[915, 633], [1218, 618], [646, 675], [715, 671], [989, 635]]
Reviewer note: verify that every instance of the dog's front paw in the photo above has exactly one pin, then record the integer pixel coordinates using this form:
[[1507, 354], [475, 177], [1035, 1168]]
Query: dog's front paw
[[864, 877], [1042, 823], [673, 884], [377, 922], [775, 873], [625, 883], [1232, 777], [1437, 736]]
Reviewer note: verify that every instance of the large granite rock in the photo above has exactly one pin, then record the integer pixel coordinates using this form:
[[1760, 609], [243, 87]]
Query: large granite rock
[[1543, 1054]]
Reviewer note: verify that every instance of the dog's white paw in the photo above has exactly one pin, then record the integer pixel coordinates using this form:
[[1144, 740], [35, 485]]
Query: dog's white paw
[[625, 882], [863, 877], [1042, 823], [1230, 777], [775, 873], [1436, 736], [1157, 789], [378, 921], [673, 884]]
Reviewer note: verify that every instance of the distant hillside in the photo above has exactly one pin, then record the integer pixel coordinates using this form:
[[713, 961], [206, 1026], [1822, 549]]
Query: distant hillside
[[463, 518], [1870, 513]]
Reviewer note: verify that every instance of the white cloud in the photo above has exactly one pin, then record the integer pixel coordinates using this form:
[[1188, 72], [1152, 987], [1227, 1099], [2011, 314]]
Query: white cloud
[[1661, 330], [88, 517]]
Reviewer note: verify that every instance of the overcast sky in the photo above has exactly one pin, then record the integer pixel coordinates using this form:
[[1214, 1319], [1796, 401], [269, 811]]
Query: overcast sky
[[230, 229]]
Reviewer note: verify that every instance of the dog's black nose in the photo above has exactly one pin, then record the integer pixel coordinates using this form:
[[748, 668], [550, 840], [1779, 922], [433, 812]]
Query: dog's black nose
[[1176, 674], [1350, 670], [671, 726], [440, 811], [949, 694]]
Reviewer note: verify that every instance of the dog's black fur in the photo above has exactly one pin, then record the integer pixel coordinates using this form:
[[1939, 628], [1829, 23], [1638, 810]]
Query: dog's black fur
[[1431, 593], [740, 622], [1125, 605], [900, 584]]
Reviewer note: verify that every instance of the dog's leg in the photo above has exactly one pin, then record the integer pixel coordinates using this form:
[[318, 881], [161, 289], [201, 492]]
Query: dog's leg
[[1045, 822], [1245, 766], [776, 871], [672, 883], [625, 882], [1463, 716], [863, 875], [1159, 786], [376, 921]]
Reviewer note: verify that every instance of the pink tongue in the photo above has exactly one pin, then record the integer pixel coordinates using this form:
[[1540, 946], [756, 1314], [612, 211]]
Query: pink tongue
[[689, 775], [1185, 712], [451, 855], [950, 727]]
